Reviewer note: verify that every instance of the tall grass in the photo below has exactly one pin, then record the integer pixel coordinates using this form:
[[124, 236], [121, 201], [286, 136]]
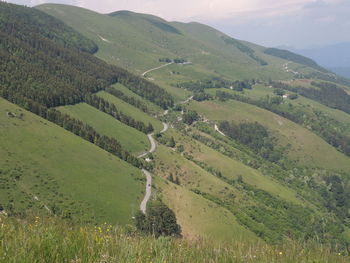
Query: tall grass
[[53, 240]]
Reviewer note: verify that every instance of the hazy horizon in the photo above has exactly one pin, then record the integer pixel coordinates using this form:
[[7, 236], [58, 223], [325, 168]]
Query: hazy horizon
[[293, 23]]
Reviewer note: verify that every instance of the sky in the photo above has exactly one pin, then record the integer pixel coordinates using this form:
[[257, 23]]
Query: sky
[[292, 23]]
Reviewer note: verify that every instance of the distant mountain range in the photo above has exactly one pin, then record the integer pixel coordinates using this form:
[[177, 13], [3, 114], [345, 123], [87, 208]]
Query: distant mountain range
[[335, 57]]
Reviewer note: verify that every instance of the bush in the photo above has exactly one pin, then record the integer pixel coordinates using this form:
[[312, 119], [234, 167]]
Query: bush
[[159, 220]]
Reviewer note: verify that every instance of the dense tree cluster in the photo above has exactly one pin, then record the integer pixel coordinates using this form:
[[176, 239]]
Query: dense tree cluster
[[200, 86], [159, 220], [175, 60], [44, 60], [202, 96], [255, 136], [27, 24], [131, 100], [43, 63], [109, 108], [190, 116], [245, 49]]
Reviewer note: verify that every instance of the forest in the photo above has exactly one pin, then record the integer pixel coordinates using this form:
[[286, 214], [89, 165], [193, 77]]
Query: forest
[[45, 64]]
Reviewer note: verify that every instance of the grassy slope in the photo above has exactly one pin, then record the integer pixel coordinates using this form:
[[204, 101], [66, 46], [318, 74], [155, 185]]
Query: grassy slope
[[132, 41], [130, 138], [261, 91], [232, 169], [191, 209], [132, 111], [198, 217], [86, 178], [307, 147]]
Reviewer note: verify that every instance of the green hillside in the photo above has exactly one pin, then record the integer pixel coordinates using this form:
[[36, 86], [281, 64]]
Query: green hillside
[[305, 146], [300, 146], [43, 165], [122, 41], [255, 142]]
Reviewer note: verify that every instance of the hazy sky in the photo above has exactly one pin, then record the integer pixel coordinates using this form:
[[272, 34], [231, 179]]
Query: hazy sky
[[296, 23]]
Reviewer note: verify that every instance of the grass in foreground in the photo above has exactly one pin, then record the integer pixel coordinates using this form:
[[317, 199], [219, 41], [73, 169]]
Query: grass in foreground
[[53, 240]]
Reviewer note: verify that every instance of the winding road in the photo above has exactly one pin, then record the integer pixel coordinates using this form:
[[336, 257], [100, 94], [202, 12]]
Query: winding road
[[148, 191], [165, 127], [162, 66], [148, 175], [153, 148]]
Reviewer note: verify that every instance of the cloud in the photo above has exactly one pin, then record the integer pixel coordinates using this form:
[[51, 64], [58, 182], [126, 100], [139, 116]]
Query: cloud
[[185, 10], [313, 23], [269, 22]]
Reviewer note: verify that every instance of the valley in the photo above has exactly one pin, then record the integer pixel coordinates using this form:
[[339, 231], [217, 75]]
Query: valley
[[108, 114]]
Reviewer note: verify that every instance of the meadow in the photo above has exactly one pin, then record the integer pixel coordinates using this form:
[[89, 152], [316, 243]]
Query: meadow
[[43, 165], [40, 239]]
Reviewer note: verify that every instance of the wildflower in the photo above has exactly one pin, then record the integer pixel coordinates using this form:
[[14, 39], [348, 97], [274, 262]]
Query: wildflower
[[339, 254], [281, 253]]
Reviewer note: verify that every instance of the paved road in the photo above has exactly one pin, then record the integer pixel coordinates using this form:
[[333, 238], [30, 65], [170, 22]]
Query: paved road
[[148, 175], [165, 127], [153, 146], [185, 101], [148, 191], [162, 66], [217, 129]]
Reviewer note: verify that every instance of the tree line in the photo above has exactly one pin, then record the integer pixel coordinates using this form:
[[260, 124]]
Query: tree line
[[131, 100], [215, 82], [328, 94], [147, 90], [109, 108]]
